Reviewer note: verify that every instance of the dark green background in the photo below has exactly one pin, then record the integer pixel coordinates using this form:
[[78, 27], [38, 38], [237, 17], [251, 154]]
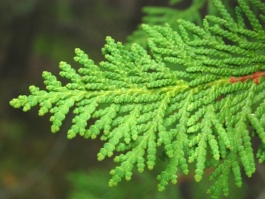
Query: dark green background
[[35, 36]]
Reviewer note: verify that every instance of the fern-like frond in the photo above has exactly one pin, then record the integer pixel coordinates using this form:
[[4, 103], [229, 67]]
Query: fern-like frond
[[201, 109], [169, 15]]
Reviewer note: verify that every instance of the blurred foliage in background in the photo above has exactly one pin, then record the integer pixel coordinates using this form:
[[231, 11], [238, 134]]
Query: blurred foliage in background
[[35, 36]]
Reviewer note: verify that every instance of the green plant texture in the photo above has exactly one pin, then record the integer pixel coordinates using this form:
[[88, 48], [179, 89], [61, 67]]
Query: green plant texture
[[196, 96], [162, 15], [92, 185]]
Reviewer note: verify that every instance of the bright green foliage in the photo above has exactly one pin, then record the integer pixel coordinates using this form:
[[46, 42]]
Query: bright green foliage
[[178, 98], [169, 15]]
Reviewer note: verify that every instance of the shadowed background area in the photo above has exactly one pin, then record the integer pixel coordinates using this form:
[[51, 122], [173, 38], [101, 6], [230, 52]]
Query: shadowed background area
[[35, 36]]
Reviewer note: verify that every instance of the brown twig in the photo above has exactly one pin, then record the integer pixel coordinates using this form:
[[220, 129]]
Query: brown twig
[[255, 77]]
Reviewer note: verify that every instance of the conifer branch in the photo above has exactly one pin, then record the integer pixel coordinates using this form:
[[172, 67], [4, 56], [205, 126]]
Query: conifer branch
[[195, 96]]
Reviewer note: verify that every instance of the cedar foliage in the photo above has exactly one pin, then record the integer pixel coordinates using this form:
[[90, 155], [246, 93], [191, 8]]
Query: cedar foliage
[[197, 94]]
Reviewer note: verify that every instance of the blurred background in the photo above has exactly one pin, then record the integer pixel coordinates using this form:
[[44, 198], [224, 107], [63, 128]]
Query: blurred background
[[35, 36]]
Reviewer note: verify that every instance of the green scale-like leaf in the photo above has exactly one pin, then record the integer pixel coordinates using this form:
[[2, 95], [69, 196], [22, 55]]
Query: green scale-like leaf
[[178, 98]]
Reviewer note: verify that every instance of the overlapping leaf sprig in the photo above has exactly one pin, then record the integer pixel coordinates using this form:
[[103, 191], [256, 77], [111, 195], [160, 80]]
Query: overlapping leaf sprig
[[178, 98], [161, 15]]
